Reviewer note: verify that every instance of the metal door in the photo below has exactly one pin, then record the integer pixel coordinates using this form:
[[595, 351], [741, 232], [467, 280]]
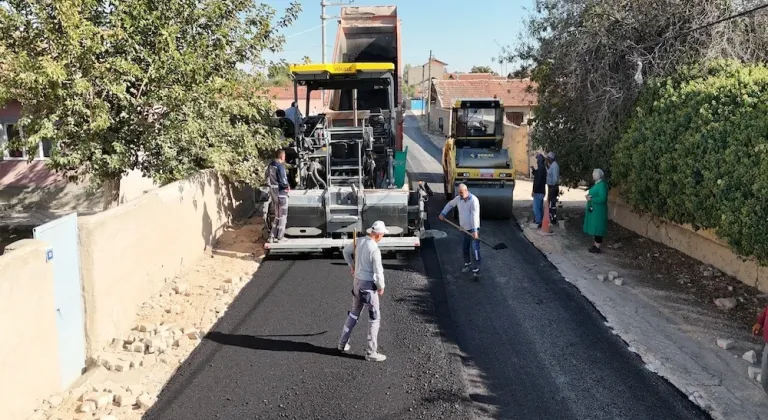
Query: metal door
[[64, 253]]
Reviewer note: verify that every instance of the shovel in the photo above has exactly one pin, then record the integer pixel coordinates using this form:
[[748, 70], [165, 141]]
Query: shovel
[[497, 247]]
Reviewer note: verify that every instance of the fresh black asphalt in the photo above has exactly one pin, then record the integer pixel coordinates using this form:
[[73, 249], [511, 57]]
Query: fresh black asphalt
[[521, 343]]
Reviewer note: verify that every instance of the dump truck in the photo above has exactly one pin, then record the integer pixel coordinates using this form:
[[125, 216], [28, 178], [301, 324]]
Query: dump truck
[[342, 164], [369, 34], [474, 155]]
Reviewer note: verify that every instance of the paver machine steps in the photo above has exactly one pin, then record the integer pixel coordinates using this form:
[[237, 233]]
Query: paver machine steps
[[474, 155]]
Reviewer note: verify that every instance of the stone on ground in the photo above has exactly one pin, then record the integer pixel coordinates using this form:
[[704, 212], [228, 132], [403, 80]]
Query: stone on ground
[[612, 275], [86, 407], [752, 372], [750, 356], [726, 303], [618, 281], [145, 401], [724, 343], [601, 277]]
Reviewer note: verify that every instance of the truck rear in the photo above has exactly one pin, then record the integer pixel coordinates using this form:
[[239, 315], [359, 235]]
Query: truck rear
[[369, 34]]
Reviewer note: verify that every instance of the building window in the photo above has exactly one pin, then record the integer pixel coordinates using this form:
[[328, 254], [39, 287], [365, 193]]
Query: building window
[[515, 118], [10, 132]]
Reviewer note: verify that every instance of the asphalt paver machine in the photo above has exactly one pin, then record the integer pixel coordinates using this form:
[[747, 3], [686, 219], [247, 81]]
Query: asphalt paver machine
[[342, 164]]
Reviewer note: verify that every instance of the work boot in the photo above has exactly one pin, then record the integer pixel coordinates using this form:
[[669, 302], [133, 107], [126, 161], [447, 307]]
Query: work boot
[[467, 268], [271, 240], [375, 357], [344, 349]]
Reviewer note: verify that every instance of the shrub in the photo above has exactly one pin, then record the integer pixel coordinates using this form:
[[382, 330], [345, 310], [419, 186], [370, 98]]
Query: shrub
[[696, 153]]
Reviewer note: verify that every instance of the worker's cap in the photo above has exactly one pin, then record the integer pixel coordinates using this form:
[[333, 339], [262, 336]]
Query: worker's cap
[[378, 227], [551, 155]]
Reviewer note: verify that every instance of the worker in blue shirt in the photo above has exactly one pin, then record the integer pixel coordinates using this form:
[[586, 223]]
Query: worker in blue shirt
[[278, 194]]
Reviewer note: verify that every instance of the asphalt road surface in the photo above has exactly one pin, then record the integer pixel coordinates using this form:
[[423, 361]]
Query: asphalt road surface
[[521, 343]]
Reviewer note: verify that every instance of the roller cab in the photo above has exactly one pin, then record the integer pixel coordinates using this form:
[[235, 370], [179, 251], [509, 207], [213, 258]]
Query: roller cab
[[474, 155]]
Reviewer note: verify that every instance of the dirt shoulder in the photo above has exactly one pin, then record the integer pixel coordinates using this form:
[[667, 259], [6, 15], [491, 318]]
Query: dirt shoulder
[[125, 378], [664, 309]]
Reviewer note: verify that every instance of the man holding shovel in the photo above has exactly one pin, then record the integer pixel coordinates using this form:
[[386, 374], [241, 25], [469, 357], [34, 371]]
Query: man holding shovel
[[469, 219]]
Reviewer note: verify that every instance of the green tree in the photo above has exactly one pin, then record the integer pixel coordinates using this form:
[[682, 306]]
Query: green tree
[[695, 152], [279, 73], [590, 60], [152, 85], [483, 69]]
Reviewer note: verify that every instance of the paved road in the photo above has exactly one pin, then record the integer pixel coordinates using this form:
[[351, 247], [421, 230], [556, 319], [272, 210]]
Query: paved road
[[520, 344]]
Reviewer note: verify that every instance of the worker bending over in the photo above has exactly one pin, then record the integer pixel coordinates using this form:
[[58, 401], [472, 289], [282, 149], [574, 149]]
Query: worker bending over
[[368, 285], [469, 219]]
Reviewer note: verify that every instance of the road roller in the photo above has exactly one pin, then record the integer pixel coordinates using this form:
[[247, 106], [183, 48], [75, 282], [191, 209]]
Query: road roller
[[474, 155]]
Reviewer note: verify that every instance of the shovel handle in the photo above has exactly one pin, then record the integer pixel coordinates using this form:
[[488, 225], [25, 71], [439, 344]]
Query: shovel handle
[[466, 231]]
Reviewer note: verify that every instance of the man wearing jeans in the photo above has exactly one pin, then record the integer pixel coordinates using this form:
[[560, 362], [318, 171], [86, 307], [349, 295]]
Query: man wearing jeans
[[469, 219], [760, 325]]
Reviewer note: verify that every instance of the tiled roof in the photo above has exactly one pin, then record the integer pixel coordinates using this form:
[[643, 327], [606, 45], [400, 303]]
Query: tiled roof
[[279, 92], [512, 92], [473, 76]]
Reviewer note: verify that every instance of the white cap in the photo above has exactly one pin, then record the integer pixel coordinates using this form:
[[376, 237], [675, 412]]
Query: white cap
[[378, 227]]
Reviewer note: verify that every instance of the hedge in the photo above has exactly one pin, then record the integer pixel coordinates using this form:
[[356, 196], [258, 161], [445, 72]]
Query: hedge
[[696, 152]]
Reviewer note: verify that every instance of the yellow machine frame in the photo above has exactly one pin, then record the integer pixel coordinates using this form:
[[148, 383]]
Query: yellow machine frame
[[454, 175]]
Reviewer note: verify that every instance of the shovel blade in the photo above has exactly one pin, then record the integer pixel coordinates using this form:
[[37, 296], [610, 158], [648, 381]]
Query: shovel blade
[[500, 246]]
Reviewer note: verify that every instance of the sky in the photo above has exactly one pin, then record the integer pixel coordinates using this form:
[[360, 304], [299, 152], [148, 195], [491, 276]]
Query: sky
[[461, 33]]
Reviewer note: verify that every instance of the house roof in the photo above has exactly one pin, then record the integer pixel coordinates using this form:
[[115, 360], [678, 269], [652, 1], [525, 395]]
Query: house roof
[[286, 92], [434, 60], [473, 76], [512, 92]]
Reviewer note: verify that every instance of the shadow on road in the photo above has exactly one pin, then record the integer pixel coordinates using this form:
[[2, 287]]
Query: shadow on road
[[271, 344]]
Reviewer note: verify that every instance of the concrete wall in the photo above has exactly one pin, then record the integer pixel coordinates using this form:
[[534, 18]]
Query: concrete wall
[[702, 245], [29, 354], [128, 252], [435, 113], [516, 139]]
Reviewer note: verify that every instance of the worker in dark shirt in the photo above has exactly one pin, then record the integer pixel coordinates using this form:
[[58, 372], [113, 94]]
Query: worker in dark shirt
[[539, 189], [278, 194]]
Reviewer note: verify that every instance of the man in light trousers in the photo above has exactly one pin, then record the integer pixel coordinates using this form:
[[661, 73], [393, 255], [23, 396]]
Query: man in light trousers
[[368, 285], [469, 219]]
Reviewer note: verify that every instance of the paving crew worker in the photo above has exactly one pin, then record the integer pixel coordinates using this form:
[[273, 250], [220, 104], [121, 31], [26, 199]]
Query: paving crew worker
[[368, 286], [469, 219], [553, 185], [277, 180]]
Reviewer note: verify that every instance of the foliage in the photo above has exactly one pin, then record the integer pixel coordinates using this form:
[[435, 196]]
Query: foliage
[[278, 73], [696, 153], [152, 85], [483, 69], [589, 59]]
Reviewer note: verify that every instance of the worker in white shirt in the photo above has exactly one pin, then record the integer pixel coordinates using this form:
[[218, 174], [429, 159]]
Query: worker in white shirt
[[294, 114], [365, 261], [469, 219]]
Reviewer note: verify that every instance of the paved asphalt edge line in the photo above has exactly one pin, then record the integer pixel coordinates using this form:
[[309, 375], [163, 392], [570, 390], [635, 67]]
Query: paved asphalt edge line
[[589, 303], [446, 324]]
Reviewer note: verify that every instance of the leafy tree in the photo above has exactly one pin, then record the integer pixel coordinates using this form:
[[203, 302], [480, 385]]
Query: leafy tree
[[142, 84], [483, 69], [695, 153], [406, 70], [590, 60], [279, 73], [306, 60]]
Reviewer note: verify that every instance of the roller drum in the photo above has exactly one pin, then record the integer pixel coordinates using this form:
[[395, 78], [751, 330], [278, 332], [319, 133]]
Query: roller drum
[[495, 202]]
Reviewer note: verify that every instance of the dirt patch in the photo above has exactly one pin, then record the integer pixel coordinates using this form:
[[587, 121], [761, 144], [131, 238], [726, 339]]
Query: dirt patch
[[670, 270], [125, 378]]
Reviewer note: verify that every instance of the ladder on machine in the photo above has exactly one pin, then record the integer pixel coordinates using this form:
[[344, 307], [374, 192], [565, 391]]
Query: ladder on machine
[[344, 208]]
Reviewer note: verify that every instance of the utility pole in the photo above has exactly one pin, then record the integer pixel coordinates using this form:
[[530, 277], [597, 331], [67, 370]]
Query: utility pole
[[323, 18], [429, 88]]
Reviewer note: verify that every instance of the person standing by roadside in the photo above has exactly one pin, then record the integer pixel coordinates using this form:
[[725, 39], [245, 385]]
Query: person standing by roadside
[[469, 219], [553, 186], [277, 180], [596, 216], [761, 325], [539, 189], [368, 272]]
